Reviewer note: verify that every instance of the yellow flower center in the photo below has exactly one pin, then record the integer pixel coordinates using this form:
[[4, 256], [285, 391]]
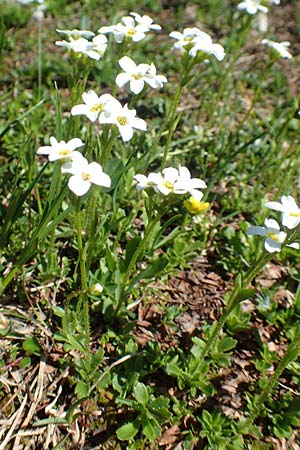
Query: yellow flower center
[[131, 32], [64, 152], [97, 107], [274, 236], [168, 185], [85, 176], [122, 120], [137, 76], [195, 206], [294, 214]]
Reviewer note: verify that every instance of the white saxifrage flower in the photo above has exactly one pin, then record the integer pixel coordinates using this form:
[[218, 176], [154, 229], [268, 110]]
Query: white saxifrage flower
[[171, 180], [128, 29], [93, 105], [186, 38], [180, 182], [76, 34], [194, 40], [100, 43], [205, 44], [290, 211], [124, 118], [138, 75], [281, 48], [143, 182], [134, 74], [60, 150], [274, 236], [84, 175], [81, 46], [252, 6], [145, 21], [154, 80]]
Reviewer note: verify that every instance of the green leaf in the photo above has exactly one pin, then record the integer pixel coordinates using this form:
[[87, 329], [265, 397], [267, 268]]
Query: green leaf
[[226, 344], [131, 248], [127, 431], [82, 389], [154, 269], [244, 294], [151, 428], [141, 393], [31, 346], [25, 362], [174, 371]]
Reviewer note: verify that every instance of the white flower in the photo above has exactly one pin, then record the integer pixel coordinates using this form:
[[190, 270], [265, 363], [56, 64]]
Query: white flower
[[81, 46], [274, 237], [145, 21], [290, 211], [143, 182], [185, 39], [27, 2], [252, 6], [279, 47], [128, 29], [155, 81], [172, 181], [60, 150], [124, 118], [84, 175], [135, 74], [204, 44], [93, 107], [180, 182], [100, 44], [195, 40], [76, 34]]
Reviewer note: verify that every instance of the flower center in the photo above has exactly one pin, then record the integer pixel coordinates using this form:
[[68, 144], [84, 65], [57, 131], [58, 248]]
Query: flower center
[[86, 176], [131, 32], [274, 236], [64, 152], [97, 107], [294, 214], [122, 120], [137, 76], [168, 185]]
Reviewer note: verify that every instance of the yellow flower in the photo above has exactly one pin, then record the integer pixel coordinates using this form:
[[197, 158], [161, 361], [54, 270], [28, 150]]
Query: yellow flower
[[195, 206]]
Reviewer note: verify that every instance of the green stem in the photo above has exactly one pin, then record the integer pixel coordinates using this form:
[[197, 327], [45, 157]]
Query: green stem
[[172, 124], [133, 261], [291, 354], [234, 300], [92, 225], [83, 274]]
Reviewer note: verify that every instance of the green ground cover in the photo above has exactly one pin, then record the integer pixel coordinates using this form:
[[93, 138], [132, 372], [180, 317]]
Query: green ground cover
[[149, 266]]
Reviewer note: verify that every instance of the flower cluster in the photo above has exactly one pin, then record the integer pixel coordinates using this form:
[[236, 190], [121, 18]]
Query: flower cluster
[[252, 6], [133, 27], [83, 174], [196, 42], [255, 6], [275, 237], [280, 48], [170, 180], [138, 75], [79, 43], [109, 110]]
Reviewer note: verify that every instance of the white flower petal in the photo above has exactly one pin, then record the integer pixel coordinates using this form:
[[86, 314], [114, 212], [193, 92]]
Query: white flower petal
[[78, 185]]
